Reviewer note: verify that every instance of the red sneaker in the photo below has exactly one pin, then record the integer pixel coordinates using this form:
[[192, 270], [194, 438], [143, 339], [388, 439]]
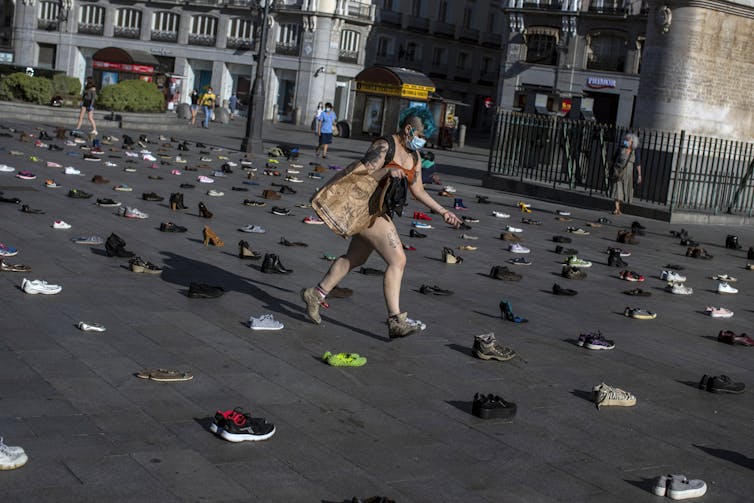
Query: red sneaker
[[731, 338], [631, 276], [409, 247], [418, 215]]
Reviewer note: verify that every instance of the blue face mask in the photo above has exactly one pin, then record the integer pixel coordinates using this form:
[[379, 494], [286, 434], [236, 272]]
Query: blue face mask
[[626, 143], [416, 142]]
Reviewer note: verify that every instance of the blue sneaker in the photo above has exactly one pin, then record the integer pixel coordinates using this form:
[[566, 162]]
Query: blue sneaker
[[7, 251], [421, 225]]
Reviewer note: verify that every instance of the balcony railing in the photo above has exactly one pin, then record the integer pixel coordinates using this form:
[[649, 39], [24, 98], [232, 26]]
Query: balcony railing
[[544, 5], [91, 29], [348, 56], [360, 10], [122, 32], [492, 39], [286, 49], [609, 10], [47, 24], [445, 29], [239, 43], [470, 34], [164, 36], [418, 23], [197, 39], [390, 17]]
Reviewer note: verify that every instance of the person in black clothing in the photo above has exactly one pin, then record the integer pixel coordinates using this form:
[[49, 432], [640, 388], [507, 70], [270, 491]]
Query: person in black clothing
[[194, 105], [87, 105]]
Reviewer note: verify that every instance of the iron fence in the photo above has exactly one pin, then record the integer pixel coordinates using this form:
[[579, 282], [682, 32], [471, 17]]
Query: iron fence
[[679, 170]]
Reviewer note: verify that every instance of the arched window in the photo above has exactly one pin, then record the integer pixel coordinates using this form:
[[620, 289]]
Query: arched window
[[606, 51], [91, 20], [165, 26], [203, 30], [127, 23], [541, 49]]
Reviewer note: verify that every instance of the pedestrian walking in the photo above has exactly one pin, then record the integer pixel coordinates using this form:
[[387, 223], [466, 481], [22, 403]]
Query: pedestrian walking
[[625, 161], [233, 105], [325, 125], [389, 159], [86, 107], [207, 102], [194, 105]]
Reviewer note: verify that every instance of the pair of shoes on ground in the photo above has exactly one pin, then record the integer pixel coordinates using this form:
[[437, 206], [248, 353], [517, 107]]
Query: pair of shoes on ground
[[490, 406], [238, 426], [678, 487], [486, 347], [721, 384]]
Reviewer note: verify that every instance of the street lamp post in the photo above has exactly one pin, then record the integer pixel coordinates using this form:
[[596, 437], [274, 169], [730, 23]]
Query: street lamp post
[[253, 142]]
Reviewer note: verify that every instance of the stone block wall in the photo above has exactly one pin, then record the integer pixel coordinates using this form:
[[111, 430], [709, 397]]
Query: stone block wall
[[697, 76]]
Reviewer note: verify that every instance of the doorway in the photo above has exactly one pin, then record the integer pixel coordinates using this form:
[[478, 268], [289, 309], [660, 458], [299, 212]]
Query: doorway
[[605, 107], [286, 95], [204, 80]]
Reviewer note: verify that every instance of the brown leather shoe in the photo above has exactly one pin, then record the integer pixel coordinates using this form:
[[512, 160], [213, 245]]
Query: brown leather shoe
[[270, 194]]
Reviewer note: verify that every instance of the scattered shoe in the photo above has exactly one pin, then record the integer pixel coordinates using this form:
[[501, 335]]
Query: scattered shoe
[[492, 407], [729, 337], [500, 214], [570, 272], [61, 224], [725, 288], [604, 395], [254, 229], [575, 261], [558, 290], [638, 292], [721, 384], [344, 359], [486, 347], [11, 457], [595, 342], [142, 266], [679, 289], [718, 312], [434, 290], [273, 265], [165, 375], [237, 426], [506, 312], [265, 322], [639, 314], [672, 277], [520, 261], [631, 276], [678, 487], [245, 251], [37, 286], [90, 327]]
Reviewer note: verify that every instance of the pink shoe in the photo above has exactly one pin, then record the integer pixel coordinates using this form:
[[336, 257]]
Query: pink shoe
[[719, 312], [176, 172]]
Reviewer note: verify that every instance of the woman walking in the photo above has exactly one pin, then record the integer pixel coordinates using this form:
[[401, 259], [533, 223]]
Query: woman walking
[[415, 124], [86, 107], [625, 160], [194, 105]]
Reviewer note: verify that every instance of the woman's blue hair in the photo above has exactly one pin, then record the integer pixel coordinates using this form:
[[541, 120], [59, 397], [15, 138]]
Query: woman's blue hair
[[421, 113]]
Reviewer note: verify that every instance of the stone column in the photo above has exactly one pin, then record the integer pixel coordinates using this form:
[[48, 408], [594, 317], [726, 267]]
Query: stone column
[[26, 50]]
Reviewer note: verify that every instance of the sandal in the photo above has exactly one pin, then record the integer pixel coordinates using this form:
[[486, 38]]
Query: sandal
[[163, 375]]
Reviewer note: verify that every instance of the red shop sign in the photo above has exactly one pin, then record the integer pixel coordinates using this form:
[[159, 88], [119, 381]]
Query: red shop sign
[[123, 67]]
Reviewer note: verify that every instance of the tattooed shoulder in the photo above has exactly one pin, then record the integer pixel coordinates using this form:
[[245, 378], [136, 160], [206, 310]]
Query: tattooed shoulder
[[376, 151]]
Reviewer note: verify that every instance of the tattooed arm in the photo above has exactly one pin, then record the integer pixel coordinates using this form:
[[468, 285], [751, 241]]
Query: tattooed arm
[[374, 158]]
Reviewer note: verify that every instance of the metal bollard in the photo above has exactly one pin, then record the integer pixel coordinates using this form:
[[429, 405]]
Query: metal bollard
[[462, 136]]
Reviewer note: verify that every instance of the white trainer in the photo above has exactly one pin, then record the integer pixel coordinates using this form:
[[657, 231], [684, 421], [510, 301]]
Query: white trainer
[[510, 228], [724, 287], [500, 214], [517, 248], [255, 229], [90, 327], [11, 457], [60, 224], [129, 212], [265, 322], [679, 289], [70, 170], [36, 286], [672, 277]]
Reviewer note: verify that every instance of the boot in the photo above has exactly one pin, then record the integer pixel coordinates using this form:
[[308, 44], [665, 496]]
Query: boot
[[731, 242], [272, 265], [174, 198], [204, 212], [44, 136], [60, 133], [615, 260], [210, 238], [458, 204], [181, 205], [245, 251], [399, 326], [116, 247], [750, 253]]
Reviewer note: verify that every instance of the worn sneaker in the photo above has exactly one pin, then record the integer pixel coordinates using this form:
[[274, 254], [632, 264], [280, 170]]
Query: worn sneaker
[[142, 266], [718, 312], [129, 212], [486, 347], [578, 231], [631, 276], [571, 272], [603, 395], [61, 224], [520, 261], [724, 384], [237, 426], [575, 261], [500, 214], [729, 337], [36, 286], [672, 277], [726, 288], [681, 488], [344, 359], [265, 322], [11, 457], [313, 301], [518, 248], [679, 289], [90, 327], [595, 341], [639, 314], [254, 229], [400, 325]]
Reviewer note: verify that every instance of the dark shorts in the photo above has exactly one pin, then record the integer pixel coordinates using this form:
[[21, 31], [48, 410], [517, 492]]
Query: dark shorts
[[194, 107], [325, 138], [89, 106]]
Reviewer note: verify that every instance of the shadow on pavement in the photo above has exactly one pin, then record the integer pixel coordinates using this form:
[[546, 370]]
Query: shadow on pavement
[[732, 456]]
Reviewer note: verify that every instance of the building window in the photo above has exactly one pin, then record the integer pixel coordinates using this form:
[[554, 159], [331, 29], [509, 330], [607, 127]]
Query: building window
[[203, 30], [48, 15], [468, 14], [287, 39], [239, 33], [349, 46], [439, 56], [384, 47], [416, 8], [442, 11], [412, 52], [47, 56], [91, 20], [463, 61], [388, 5], [127, 23], [606, 51], [492, 22], [541, 49], [486, 64], [165, 26]]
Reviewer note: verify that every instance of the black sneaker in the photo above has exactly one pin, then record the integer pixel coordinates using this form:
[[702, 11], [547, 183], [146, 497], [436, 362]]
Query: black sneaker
[[237, 426], [415, 234], [171, 227], [187, 186], [503, 273], [151, 196], [204, 291], [492, 407], [280, 211], [28, 209], [561, 239], [558, 290], [107, 203], [78, 194], [434, 290], [723, 384]]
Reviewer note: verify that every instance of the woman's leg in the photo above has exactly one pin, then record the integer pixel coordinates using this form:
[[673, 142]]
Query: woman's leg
[[193, 115], [90, 116], [383, 237], [82, 111], [358, 252]]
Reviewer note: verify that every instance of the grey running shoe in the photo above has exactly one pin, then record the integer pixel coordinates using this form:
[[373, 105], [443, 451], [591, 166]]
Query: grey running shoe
[[602, 394], [400, 325], [312, 301], [486, 347]]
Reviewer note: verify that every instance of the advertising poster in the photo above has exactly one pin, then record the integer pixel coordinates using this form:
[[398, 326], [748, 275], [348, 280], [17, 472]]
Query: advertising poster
[[109, 78], [373, 115]]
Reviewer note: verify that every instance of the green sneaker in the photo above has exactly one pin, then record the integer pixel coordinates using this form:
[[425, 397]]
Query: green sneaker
[[575, 261], [343, 359]]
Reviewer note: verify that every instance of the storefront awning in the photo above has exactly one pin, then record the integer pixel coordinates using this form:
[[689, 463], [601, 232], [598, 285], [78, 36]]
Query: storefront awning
[[124, 60], [394, 81]]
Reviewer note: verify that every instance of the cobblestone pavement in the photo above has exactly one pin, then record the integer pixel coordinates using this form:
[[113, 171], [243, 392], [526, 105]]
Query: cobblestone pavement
[[401, 426]]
